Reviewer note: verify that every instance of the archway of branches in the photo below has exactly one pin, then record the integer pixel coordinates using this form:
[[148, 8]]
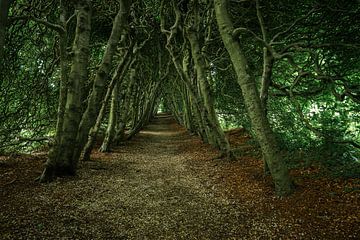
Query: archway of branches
[[111, 67]]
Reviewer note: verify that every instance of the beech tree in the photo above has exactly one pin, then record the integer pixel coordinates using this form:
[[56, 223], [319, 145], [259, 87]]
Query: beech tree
[[285, 72], [256, 113]]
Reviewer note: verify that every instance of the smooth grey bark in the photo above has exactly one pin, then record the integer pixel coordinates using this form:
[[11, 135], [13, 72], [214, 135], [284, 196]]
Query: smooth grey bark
[[259, 122]]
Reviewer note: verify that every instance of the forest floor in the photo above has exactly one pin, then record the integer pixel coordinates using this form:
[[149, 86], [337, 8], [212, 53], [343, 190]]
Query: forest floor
[[166, 184]]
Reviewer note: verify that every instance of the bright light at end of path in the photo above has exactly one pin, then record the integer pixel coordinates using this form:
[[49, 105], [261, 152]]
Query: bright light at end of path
[[159, 133]]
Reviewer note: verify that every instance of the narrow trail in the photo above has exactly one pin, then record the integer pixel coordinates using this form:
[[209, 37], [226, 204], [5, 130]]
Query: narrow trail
[[153, 194], [166, 184]]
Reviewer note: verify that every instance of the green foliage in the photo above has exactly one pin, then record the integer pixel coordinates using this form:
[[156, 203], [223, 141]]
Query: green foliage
[[29, 87], [314, 97]]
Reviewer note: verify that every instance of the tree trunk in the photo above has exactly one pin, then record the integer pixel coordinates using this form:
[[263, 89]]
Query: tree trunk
[[119, 74], [110, 131], [60, 162], [198, 106], [200, 67], [93, 107], [135, 105], [146, 112], [175, 109], [268, 62], [197, 103], [187, 113], [64, 74], [200, 130], [125, 104], [259, 122]]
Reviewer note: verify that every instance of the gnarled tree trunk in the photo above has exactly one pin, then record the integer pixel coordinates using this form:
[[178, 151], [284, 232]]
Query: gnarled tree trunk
[[61, 163], [119, 74], [259, 122], [93, 107]]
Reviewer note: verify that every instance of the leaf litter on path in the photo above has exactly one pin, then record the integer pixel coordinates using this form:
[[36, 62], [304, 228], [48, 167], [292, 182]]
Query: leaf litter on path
[[167, 184]]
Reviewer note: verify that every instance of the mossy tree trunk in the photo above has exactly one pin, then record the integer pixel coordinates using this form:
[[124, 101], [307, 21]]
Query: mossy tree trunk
[[61, 163], [117, 78], [110, 131], [181, 67], [187, 113], [76, 126], [64, 67], [135, 105], [64, 74], [192, 107], [184, 75], [259, 122], [196, 101], [174, 107], [99, 86], [206, 124]]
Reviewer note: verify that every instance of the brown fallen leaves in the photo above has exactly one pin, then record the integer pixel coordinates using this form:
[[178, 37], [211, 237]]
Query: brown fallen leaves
[[320, 208], [166, 184]]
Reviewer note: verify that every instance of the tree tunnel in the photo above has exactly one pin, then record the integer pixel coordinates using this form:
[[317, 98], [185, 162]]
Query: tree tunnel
[[113, 66]]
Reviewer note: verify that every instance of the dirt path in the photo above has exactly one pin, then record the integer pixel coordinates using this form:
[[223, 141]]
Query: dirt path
[[165, 184], [143, 190]]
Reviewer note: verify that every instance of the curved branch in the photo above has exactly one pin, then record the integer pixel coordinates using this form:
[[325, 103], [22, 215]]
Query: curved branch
[[292, 25], [56, 27]]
